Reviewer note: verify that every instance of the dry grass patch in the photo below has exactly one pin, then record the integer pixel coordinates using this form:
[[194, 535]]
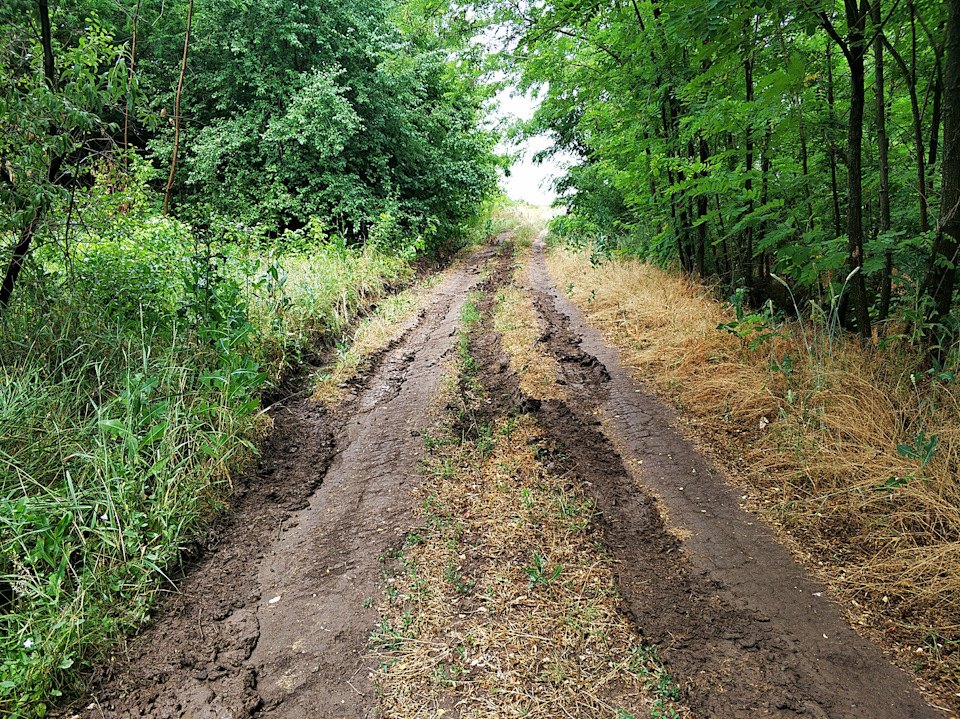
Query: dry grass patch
[[392, 318], [519, 327], [831, 441], [502, 604]]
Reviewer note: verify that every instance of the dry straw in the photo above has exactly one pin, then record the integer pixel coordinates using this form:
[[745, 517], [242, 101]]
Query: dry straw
[[810, 424]]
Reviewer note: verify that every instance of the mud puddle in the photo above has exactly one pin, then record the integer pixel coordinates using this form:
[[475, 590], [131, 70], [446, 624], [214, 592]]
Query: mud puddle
[[276, 621]]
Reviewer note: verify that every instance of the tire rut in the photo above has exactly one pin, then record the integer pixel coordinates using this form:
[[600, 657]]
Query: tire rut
[[311, 658], [747, 630], [329, 496]]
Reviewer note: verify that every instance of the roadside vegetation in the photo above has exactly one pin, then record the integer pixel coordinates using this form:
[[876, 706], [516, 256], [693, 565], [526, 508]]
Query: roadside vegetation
[[812, 145], [851, 453], [799, 165], [125, 410]]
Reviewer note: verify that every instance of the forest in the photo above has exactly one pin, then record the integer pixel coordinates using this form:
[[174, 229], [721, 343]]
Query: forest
[[199, 199], [801, 153]]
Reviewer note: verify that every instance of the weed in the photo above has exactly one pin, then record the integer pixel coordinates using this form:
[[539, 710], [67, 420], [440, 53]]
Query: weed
[[484, 443], [460, 585], [526, 498], [752, 328], [538, 574], [645, 663], [922, 448]]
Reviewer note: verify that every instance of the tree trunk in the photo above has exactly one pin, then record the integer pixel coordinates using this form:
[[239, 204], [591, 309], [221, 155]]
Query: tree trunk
[[855, 187], [935, 121], [765, 198], [854, 50], [700, 260], [26, 232], [747, 269], [176, 111], [838, 230], [941, 271], [910, 79], [883, 159]]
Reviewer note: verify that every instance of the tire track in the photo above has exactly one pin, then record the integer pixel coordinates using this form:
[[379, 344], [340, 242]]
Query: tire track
[[329, 497], [752, 634]]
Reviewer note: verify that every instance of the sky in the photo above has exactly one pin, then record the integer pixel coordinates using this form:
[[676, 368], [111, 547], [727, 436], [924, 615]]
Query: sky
[[528, 181]]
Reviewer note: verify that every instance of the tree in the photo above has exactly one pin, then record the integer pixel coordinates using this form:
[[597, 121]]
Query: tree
[[723, 147], [942, 267], [325, 110], [50, 111]]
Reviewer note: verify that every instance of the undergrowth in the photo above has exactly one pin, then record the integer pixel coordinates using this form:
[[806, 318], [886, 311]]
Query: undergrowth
[[852, 452], [131, 372], [130, 383]]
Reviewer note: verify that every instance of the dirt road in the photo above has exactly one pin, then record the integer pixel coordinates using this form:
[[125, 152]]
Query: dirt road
[[274, 620]]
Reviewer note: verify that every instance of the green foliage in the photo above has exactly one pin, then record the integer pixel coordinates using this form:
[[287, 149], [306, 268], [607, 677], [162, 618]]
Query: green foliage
[[922, 448], [753, 328], [537, 572], [327, 110], [713, 136], [130, 384]]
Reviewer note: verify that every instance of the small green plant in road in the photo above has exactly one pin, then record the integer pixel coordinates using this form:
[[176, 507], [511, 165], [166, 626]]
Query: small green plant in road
[[538, 574], [454, 576], [469, 314], [526, 498], [485, 440], [645, 662]]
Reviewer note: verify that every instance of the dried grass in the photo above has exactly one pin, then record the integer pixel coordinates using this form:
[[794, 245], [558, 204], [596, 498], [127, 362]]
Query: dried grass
[[501, 604], [519, 327], [813, 447]]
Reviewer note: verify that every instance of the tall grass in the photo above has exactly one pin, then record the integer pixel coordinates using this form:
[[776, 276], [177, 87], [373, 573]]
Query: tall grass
[[854, 452], [129, 396]]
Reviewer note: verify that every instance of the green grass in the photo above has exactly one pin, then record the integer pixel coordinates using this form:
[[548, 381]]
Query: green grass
[[129, 395], [131, 372]]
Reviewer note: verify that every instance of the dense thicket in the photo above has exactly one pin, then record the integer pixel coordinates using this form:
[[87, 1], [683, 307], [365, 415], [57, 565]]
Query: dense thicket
[[280, 112], [811, 141]]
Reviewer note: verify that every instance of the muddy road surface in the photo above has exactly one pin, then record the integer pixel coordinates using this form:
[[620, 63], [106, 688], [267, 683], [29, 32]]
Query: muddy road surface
[[275, 618]]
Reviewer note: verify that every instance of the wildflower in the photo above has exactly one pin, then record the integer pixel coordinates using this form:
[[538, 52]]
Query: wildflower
[[27, 643]]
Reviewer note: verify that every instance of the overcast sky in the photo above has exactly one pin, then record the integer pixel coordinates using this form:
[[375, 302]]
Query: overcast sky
[[528, 181]]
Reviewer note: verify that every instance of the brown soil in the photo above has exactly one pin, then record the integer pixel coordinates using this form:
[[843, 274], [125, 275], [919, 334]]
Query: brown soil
[[274, 619]]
